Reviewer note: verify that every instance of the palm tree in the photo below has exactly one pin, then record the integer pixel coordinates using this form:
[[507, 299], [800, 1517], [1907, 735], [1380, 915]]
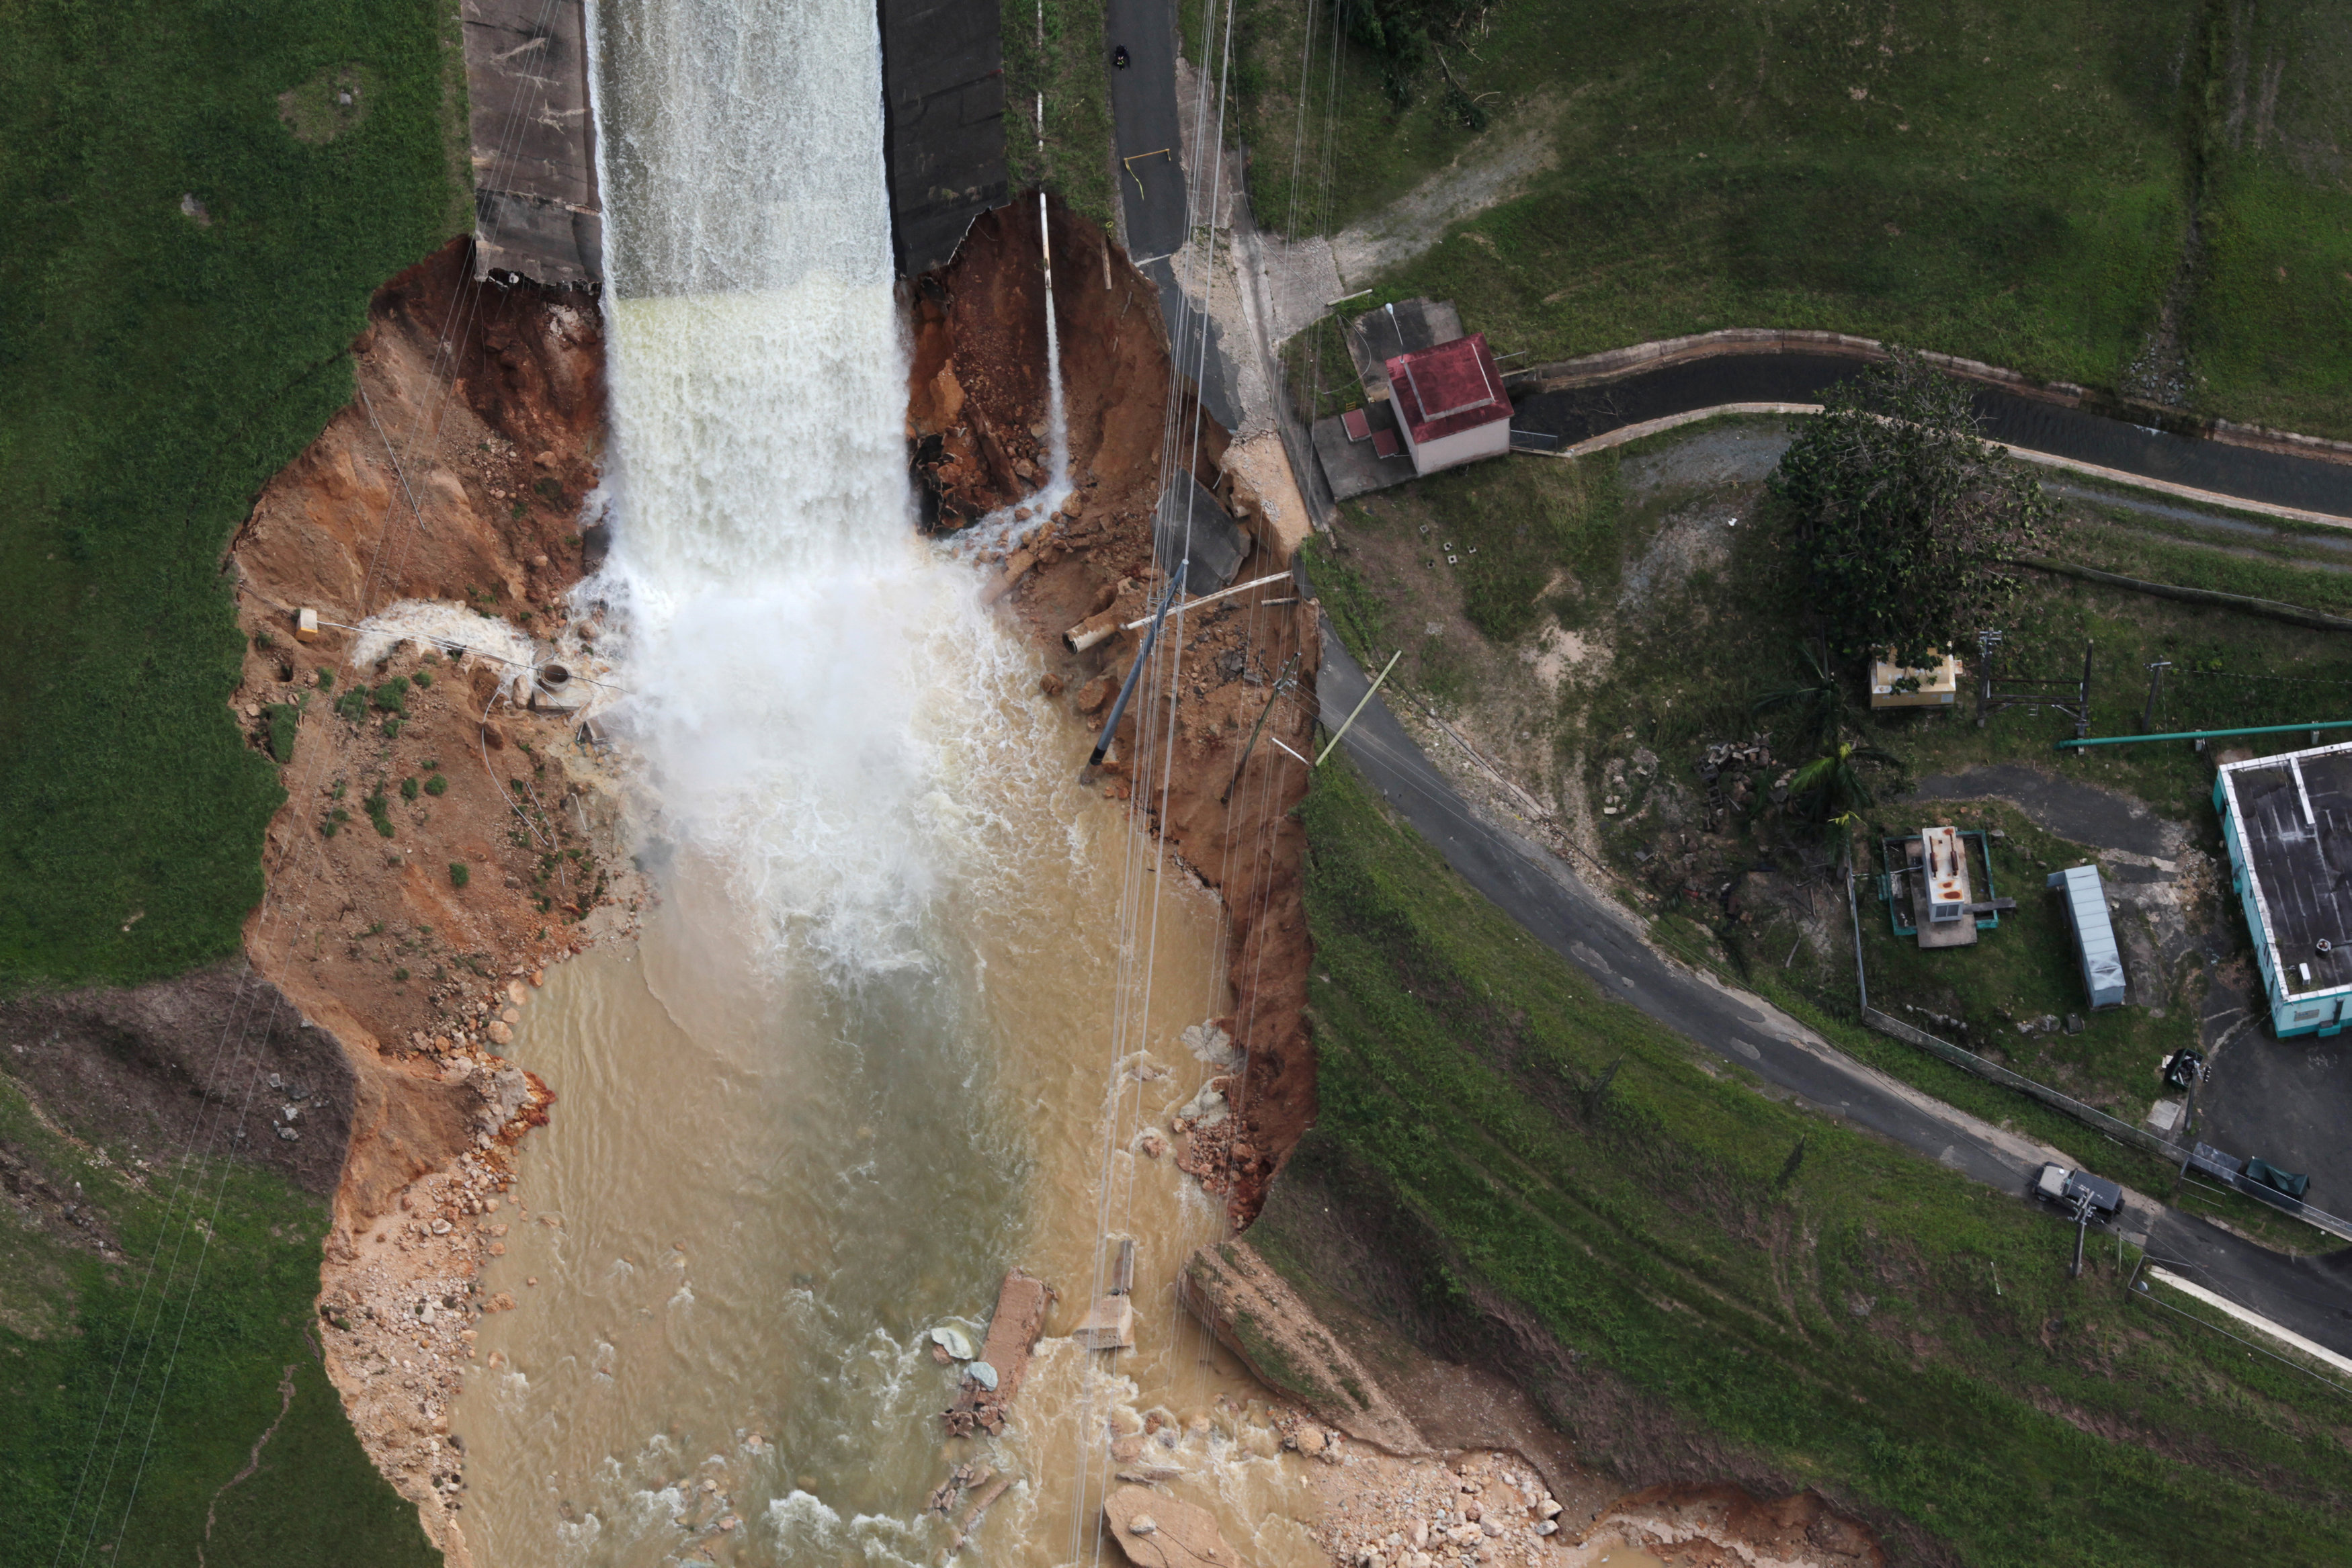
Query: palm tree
[[1831, 789], [1819, 716]]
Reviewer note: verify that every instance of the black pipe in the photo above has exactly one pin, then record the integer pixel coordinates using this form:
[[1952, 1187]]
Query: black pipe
[[1142, 657]]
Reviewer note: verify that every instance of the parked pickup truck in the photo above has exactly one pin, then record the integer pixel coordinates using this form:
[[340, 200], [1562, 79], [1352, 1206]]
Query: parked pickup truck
[[2095, 1197], [2088, 1196]]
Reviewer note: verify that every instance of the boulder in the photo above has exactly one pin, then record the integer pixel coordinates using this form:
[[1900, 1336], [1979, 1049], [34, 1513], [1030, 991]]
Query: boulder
[[1255, 1313]]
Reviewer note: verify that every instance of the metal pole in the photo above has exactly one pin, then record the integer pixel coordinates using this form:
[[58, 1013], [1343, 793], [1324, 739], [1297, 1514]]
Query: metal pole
[[1361, 705], [1142, 657], [2155, 683], [2207, 734], [2083, 708], [2081, 1229], [1281, 685], [1861, 978]]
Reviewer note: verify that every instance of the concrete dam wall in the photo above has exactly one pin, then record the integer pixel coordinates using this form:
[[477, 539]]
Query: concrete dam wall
[[538, 209]]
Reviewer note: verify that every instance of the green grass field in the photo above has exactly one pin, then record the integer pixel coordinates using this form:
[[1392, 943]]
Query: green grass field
[[179, 273], [1495, 1138], [97, 1444], [2009, 181]]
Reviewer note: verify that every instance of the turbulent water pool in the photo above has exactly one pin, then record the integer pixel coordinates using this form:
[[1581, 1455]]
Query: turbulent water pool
[[879, 1042]]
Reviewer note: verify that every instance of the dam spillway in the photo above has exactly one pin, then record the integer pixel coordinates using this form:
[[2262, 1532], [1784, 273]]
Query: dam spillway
[[863, 1060]]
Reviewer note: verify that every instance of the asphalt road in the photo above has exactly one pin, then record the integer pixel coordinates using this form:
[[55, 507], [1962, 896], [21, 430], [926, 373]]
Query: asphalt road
[[2311, 1296], [1143, 125]]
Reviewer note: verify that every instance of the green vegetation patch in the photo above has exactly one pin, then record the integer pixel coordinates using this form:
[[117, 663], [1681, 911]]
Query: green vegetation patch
[[1072, 69], [179, 277], [2013, 184], [2269, 332], [1503, 1150], [2002, 997], [335, 101], [202, 1355]]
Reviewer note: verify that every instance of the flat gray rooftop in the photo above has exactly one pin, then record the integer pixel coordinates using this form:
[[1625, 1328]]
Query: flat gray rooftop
[[1406, 327], [2294, 814]]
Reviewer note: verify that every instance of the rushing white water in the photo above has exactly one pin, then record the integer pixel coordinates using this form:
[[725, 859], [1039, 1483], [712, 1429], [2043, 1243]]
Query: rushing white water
[[857, 1068]]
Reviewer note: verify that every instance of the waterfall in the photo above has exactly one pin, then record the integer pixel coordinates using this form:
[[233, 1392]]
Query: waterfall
[[798, 650]]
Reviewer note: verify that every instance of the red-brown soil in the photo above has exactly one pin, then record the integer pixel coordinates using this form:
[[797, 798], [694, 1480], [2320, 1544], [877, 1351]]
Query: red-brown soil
[[975, 414], [458, 474]]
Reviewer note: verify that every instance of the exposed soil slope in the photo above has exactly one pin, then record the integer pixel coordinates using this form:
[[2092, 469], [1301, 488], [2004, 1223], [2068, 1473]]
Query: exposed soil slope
[[976, 412], [439, 843]]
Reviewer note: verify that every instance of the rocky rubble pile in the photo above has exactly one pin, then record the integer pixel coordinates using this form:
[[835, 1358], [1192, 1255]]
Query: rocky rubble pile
[[401, 1293], [1479, 1509]]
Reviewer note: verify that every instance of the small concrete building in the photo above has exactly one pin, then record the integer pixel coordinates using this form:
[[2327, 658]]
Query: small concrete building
[[1933, 686], [2287, 823], [2095, 934], [1449, 403]]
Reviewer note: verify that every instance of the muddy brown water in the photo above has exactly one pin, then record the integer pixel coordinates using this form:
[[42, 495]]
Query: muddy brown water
[[757, 1196]]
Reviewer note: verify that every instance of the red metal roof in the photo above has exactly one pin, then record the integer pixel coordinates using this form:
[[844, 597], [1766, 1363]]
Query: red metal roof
[[1449, 389]]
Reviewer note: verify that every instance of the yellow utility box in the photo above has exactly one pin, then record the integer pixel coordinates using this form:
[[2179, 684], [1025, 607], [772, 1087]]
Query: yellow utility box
[[1939, 685]]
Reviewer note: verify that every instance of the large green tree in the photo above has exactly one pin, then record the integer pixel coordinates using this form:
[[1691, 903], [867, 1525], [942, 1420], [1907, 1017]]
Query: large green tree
[[1905, 516]]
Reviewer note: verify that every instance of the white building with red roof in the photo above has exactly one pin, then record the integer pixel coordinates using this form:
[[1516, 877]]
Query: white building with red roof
[[1449, 403]]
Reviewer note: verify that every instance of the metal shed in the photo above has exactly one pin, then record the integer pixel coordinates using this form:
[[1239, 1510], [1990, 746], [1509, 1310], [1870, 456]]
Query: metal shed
[[2094, 935]]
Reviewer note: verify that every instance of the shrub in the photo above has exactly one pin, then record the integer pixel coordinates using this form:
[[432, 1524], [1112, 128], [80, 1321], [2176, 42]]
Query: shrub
[[408, 788], [436, 786], [391, 728], [424, 680], [459, 875], [353, 704], [326, 679], [391, 696], [284, 720], [379, 810]]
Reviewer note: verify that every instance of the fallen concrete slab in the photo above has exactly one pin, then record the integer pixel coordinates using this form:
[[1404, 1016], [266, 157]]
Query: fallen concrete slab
[[1020, 1307]]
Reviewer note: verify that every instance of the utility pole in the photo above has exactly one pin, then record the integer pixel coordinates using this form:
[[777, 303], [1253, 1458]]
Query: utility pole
[[1987, 641], [1281, 685], [1372, 691]]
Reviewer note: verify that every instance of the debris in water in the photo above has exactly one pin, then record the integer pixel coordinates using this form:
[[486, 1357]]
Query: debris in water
[[953, 1340], [980, 1372]]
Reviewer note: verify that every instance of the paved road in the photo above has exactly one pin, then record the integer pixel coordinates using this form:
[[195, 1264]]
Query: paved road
[[1143, 125], [2250, 472], [2312, 1297]]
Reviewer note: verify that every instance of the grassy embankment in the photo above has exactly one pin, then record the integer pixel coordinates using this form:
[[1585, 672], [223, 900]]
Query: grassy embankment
[[191, 224], [1074, 71], [86, 1333], [1695, 620], [1840, 1314], [157, 366], [2011, 183]]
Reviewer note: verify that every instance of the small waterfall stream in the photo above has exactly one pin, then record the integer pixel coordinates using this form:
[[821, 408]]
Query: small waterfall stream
[[860, 1063]]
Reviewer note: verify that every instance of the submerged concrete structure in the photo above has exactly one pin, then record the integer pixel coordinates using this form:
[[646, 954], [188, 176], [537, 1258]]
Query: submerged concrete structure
[[537, 210]]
